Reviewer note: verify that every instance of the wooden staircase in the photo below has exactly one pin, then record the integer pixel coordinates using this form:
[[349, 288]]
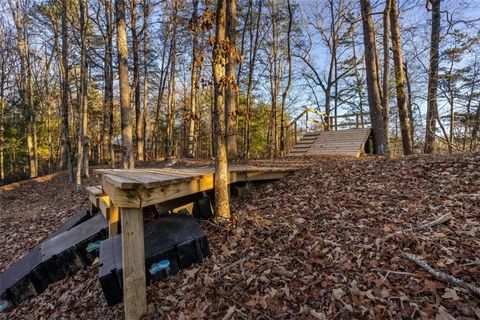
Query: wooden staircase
[[349, 142]]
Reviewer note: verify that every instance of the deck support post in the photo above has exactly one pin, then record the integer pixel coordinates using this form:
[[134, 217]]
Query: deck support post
[[133, 258]]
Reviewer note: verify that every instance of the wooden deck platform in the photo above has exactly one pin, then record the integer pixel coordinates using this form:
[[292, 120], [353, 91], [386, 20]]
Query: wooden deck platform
[[125, 192], [138, 188], [349, 142]]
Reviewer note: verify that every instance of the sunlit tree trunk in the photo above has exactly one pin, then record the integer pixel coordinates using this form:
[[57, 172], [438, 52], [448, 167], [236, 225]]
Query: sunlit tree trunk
[[222, 205], [407, 140], [125, 106], [231, 92], [374, 98]]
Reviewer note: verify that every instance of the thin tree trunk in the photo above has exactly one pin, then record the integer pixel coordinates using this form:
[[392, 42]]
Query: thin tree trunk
[[191, 138], [171, 88], [386, 67], [432, 109], [254, 43], [125, 106], [143, 133], [136, 81], [63, 62], [231, 92], [25, 87], [374, 99], [222, 203], [289, 80], [108, 82], [407, 140], [409, 102], [82, 142]]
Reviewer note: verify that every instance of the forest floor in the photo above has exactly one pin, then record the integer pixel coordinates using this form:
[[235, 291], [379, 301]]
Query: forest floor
[[309, 246]]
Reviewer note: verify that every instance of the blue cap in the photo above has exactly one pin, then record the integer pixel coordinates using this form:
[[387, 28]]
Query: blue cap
[[161, 265]]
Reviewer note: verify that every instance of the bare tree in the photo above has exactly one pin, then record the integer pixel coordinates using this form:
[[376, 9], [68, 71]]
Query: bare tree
[[26, 85], [374, 98], [194, 28], [407, 139], [289, 80], [125, 106], [432, 109], [222, 203], [231, 93]]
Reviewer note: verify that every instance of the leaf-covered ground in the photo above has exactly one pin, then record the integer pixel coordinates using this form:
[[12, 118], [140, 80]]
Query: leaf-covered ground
[[310, 246]]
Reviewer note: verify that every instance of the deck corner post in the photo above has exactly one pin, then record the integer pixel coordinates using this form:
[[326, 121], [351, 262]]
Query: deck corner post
[[133, 259]]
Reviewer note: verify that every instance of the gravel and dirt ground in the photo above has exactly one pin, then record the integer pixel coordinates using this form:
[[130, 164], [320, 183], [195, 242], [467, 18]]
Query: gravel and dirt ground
[[314, 245]]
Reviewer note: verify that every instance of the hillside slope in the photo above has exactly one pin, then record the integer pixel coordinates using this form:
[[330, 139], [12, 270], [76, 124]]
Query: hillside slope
[[308, 246]]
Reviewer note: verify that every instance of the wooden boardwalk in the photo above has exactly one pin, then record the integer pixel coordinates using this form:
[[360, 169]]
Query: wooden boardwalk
[[349, 142], [124, 193]]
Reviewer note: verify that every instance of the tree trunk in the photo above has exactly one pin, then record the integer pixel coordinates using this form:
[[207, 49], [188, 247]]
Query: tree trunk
[[254, 41], [191, 137], [125, 106], [409, 102], [136, 81], [63, 62], [432, 110], [289, 81], [407, 140], [108, 82], [25, 87], [374, 99], [143, 133], [386, 68], [231, 92], [171, 88], [82, 144], [222, 205]]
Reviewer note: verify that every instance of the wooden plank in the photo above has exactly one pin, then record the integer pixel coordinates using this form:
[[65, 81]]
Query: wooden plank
[[121, 182], [113, 221], [133, 258], [94, 193], [104, 206]]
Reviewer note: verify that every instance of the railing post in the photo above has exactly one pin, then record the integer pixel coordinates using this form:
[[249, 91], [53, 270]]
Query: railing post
[[295, 129], [306, 121]]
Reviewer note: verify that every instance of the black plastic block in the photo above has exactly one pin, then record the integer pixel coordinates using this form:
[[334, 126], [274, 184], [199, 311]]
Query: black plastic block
[[17, 283], [176, 238], [77, 219], [202, 208], [67, 252]]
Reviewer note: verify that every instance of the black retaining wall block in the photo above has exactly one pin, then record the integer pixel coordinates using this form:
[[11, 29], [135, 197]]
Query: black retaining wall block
[[202, 208], [81, 216], [178, 240], [53, 259]]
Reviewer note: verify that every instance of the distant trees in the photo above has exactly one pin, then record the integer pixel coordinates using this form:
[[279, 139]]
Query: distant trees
[[25, 82], [61, 107]]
